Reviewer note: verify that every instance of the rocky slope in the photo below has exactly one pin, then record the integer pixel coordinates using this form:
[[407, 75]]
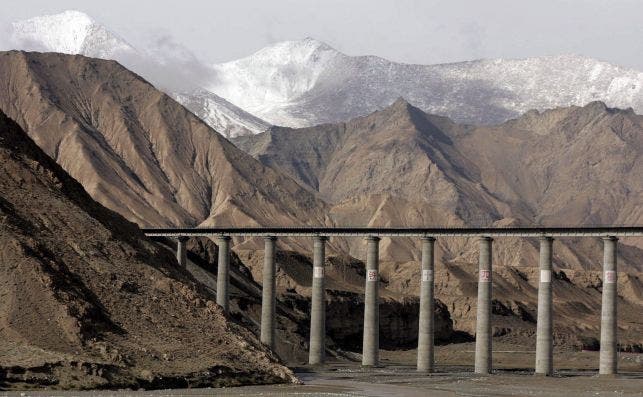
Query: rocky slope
[[173, 69], [403, 167], [306, 82], [139, 152], [89, 302]]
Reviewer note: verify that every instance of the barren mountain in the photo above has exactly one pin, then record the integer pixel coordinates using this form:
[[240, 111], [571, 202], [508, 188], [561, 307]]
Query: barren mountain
[[89, 302], [574, 165], [147, 157], [369, 155], [139, 152], [306, 82], [168, 65], [403, 167]]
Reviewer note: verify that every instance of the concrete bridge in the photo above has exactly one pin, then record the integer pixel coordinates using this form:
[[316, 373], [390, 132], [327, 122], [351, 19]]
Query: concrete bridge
[[425, 352]]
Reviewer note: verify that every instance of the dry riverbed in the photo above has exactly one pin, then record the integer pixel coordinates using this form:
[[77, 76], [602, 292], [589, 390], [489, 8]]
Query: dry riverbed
[[576, 375]]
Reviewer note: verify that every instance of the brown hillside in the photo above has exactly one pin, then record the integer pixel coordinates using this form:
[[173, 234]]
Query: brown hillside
[[402, 167], [139, 152], [88, 301]]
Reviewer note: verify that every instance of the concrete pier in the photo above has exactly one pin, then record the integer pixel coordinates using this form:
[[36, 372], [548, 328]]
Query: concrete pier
[[544, 327], [181, 251], [483, 318], [223, 272], [371, 340], [268, 294], [609, 352], [425, 358], [316, 353]]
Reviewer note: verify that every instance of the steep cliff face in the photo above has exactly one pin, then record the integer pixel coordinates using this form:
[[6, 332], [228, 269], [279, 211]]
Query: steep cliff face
[[139, 152], [88, 301]]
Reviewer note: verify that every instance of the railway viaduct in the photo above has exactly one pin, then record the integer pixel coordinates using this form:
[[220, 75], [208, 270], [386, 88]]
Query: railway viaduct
[[425, 354]]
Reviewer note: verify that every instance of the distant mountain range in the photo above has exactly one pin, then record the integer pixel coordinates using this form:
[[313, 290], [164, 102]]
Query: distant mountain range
[[303, 83], [306, 82]]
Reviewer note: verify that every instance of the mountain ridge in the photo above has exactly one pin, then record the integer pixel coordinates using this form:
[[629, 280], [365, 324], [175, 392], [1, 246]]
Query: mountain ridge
[[340, 87], [452, 174], [138, 151], [175, 69], [300, 83]]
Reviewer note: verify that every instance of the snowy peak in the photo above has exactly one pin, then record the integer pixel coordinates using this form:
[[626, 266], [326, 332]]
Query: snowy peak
[[294, 51], [277, 74], [306, 82], [303, 83], [70, 32], [220, 114]]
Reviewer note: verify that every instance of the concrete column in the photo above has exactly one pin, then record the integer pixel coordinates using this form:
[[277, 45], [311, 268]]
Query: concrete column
[[544, 328], [181, 251], [318, 304], [223, 272], [483, 318], [268, 294], [427, 326], [609, 352], [371, 341]]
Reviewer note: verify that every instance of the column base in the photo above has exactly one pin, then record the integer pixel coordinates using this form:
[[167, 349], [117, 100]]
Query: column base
[[483, 373]]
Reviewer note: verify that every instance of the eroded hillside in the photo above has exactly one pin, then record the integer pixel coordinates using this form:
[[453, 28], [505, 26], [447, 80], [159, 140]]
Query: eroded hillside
[[89, 302]]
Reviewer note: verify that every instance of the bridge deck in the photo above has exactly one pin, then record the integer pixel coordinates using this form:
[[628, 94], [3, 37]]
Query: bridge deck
[[598, 231]]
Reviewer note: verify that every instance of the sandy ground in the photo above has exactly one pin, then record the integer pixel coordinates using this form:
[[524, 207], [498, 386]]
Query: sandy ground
[[398, 381], [575, 375]]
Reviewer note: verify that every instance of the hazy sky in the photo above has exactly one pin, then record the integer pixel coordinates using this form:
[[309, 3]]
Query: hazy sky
[[413, 31]]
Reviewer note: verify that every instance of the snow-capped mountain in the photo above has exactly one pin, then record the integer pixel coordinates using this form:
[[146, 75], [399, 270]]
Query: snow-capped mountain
[[70, 32], [170, 66], [275, 79], [215, 110], [301, 83], [306, 82]]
